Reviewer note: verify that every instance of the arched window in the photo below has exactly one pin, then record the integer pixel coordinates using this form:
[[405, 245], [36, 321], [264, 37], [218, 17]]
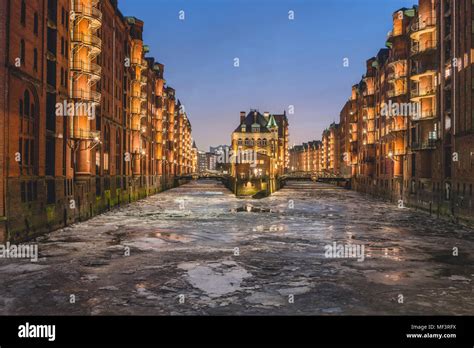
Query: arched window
[[239, 142], [22, 53], [23, 13], [259, 142], [247, 142], [264, 142], [252, 143]]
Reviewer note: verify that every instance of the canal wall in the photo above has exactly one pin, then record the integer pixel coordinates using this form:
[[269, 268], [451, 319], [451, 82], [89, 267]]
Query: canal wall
[[34, 219], [458, 207]]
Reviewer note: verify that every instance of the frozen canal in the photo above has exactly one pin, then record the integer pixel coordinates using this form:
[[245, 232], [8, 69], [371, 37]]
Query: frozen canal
[[197, 249]]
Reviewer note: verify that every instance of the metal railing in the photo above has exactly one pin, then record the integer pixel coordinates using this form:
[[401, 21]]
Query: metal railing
[[396, 92], [84, 134], [400, 152], [422, 69], [86, 39], [140, 62], [395, 76], [86, 67], [425, 115], [424, 92], [419, 47], [424, 145], [422, 24], [138, 111], [87, 11], [89, 95], [136, 94], [397, 127]]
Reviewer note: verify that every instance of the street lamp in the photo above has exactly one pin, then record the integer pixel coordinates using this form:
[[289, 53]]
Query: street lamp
[[391, 156]]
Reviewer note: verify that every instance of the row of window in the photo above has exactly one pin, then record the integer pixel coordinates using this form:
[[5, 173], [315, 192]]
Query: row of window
[[252, 142], [23, 18], [23, 55]]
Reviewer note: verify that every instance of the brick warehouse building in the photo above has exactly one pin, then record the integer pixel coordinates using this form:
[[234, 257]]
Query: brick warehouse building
[[421, 152], [55, 167], [266, 138]]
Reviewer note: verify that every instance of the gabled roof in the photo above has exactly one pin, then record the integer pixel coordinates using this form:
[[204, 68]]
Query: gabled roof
[[253, 118], [272, 123]]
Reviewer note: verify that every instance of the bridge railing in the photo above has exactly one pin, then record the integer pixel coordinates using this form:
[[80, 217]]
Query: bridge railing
[[313, 175]]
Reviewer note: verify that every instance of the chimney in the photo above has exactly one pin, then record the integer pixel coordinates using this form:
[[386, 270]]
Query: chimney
[[266, 114], [242, 117]]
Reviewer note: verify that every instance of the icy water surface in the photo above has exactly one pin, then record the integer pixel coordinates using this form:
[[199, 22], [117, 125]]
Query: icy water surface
[[199, 250]]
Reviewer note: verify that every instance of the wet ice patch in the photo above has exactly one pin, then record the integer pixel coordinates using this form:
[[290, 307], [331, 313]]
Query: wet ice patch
[[459, 278], [146, 244], [294, 291], [215, 279], [22, 268], [266, 299]]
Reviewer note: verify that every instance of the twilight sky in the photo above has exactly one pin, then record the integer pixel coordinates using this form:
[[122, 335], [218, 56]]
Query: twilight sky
[[282, 62]]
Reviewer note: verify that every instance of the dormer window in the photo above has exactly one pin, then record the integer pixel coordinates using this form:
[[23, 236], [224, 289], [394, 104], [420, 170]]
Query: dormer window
[[243, 128], [255, 128]]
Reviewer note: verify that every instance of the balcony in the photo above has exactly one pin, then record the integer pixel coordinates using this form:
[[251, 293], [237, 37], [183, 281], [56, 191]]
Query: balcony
[[84, 134], [400, 152], [85, 67], [422, 70], [396, 92], [419, 93], [85, 95], [138, 111], [396, 128], [393, 34], [90, 40], [425, 115], [422, 26], [139, 62], [93, 14], [368, 159], [423, 47], [137, 94], [429, 144], [393, 76]]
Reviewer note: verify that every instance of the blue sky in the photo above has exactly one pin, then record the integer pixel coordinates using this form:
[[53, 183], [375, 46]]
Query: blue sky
[[282, 62]]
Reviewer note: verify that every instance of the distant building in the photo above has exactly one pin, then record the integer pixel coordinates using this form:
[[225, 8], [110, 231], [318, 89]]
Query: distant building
[[202, 161], [219, 149], [211, 161], [306, 157], [222, 153], [265, 135], [194, 156]]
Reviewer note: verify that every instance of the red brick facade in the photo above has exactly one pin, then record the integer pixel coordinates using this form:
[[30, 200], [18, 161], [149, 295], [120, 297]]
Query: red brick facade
[[56, 169]]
